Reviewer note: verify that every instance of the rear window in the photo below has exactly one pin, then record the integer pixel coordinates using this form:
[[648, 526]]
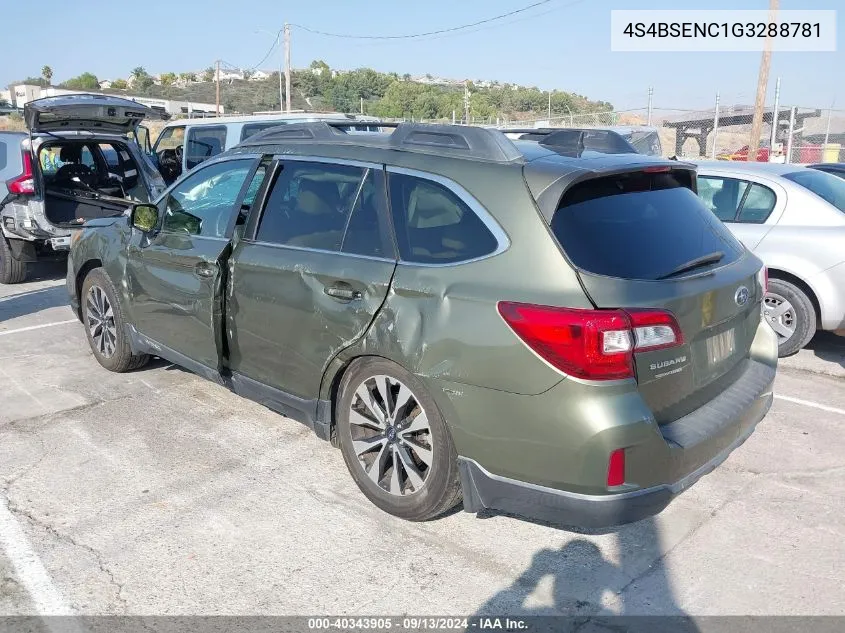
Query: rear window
[[639, 225], [251, 129], [4, 148], [824, 185]]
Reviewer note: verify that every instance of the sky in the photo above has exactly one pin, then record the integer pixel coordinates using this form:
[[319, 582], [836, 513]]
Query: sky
[[564, 44]]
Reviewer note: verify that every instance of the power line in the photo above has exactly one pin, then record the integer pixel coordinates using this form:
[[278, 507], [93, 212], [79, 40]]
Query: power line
[[428, 33], [269, 52]]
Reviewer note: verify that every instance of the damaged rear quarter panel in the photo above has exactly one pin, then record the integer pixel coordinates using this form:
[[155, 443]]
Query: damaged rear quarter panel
[[441, 322]]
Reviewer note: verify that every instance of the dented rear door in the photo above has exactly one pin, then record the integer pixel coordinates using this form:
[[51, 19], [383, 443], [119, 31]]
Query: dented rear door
[[306, 283]]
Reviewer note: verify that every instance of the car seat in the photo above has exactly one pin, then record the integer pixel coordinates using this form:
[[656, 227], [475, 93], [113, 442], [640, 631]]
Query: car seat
[[71, 156]]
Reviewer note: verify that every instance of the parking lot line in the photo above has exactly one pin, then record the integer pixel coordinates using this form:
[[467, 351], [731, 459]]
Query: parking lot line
[[30, 571], [809, 403], [38, 327]]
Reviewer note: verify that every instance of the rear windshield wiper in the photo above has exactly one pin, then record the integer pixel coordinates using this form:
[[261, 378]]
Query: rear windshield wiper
[[698, 262]]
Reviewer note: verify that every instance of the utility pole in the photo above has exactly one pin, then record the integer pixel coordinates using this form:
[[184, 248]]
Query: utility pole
[[281, 73], [650, 95], [362, 105], [550, 107], [762, 83], [217, 107], [287, 67], [775, 120], [466, 101]]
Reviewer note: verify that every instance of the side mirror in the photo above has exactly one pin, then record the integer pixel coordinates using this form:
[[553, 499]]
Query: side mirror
[[144, 217]]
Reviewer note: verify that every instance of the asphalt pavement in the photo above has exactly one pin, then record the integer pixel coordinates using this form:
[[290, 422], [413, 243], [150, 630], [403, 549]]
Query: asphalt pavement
[[157, 492]]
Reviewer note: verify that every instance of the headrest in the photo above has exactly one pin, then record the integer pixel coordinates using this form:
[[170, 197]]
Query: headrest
[[71, 154]]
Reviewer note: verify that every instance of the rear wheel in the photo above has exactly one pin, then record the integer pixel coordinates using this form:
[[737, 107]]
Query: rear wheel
[[11, 270], [104, 323], [395, 442], [791, 314]]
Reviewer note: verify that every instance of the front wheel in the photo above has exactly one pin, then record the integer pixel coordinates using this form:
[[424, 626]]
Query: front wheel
[[790, 313], [103, 320], [395, 442]]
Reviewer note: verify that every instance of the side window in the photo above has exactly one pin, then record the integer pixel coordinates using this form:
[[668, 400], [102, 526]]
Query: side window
[[170, 138], [433, 225], [203, 203], [204, 142], [758, 205], [251, 129], [722, 195], [254, 186], [111, 158], [365, 234], [88, 158], [310, 205]]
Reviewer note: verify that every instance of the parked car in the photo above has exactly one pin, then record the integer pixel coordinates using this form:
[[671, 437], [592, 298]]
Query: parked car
[[793, 218], [566, 335], [639, 139], [80, 161], [185, 143], [805, 153], [837, 169]]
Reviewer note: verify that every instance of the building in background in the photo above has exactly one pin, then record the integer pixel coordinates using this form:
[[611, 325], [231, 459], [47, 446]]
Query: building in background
[[25, 93]]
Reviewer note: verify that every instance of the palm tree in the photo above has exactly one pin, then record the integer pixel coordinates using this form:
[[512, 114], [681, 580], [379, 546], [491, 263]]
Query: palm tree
[[47, 73], [138, 72]]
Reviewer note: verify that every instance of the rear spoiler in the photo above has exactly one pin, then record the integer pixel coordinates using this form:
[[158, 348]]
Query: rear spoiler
[[548, 189]]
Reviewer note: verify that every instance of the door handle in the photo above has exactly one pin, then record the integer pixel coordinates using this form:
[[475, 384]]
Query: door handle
[[204, 269], [343, 291]]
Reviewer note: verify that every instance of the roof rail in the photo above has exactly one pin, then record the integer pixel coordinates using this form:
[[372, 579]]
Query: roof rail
[[444, 140], [576, 139]]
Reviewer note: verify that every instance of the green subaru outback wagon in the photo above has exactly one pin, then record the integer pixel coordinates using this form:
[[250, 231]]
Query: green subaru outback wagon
[[527, 325]]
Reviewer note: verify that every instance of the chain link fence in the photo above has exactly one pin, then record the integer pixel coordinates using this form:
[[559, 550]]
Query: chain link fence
[[801, 134], [787, 133]]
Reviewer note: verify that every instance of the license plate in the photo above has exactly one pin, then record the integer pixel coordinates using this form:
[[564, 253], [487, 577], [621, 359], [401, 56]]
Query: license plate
[[60, 243], [721, 346]]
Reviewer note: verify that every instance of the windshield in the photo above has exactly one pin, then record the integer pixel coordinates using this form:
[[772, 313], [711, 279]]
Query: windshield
[[824, 185]]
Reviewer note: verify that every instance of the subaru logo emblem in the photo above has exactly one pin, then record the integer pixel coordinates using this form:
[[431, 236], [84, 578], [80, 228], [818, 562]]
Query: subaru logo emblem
[[741, 296]]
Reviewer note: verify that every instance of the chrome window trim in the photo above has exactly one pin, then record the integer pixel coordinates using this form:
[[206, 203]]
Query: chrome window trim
[[502, 240], [316, 250], [331, 161]]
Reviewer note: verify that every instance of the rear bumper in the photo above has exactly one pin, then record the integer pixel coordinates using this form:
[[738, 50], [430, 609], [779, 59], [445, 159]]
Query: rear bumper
[[482, 490], [695, 445]]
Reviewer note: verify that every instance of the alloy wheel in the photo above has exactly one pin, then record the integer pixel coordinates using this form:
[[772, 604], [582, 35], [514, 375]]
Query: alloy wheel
[[100, 319], [391, 436], [780, 314]]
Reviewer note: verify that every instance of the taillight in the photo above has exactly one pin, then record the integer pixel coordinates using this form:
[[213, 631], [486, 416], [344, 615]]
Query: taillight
[[591, 344], [25, 183], [763, 278], [654, 329], [616, 468]]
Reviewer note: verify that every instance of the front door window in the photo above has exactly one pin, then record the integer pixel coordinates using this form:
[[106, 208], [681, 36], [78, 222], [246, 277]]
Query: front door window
[[202, 204]]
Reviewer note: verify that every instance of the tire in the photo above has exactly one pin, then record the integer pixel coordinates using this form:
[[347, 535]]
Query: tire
[[787, 309], [11, 270], [425, 485], [104, 325]]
